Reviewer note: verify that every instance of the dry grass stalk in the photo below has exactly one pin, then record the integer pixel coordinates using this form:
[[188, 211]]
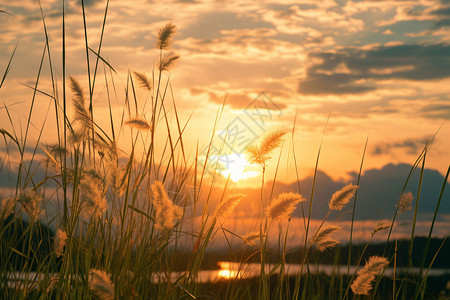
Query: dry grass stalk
[[342, 197], [283, 206], [362, 285]]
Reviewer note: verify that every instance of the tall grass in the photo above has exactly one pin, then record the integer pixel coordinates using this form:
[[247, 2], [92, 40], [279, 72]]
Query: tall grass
[[121, 216]]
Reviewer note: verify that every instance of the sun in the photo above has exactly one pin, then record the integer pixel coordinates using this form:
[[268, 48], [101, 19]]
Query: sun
[[235, 166]]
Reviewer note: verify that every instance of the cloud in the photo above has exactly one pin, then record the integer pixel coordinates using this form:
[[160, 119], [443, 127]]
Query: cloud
[[235, 99], [366, 67], [410, 146]]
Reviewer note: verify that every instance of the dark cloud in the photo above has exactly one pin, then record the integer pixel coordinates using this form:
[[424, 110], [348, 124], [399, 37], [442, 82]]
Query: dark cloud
[[410, 146], [353, 71], [436, 111]]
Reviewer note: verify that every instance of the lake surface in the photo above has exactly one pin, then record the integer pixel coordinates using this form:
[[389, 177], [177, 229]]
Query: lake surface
[[232, 271]]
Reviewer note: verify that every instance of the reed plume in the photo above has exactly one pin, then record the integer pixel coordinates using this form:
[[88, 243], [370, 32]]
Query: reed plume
[[322, 240], [380, 227], [93, 202], [405, 202], [283, 206], [342, 197], [60, 242], [166, 212], [7, 207], [262, 153], [226, 207], [31, 203], [138, 123], [81, 113], [251, 236], [165, 36], [167, 61], [100, 284], [143, 80], [362, 285]]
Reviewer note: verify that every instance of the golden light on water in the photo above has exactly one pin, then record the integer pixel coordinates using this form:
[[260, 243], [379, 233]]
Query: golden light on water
[[227, 271]]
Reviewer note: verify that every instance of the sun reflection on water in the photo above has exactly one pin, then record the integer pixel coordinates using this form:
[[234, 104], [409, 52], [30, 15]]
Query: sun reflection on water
[[227, 271]]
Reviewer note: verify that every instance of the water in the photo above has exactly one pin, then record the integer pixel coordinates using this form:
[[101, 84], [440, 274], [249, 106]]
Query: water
[[232, 271]]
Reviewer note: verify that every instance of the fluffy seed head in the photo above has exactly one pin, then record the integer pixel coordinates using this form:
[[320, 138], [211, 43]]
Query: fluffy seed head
[[7, 207], [405, 202], [138, 123], [262, 153], [251, 236], [165, 35], [283, 206], [342, 197], [167, 61], [166, 212], [143, 81], [82, 115], [362, 285], [31, 203], [226, 207], [322, 238], [93, 202], [100, 284], [60, 242]]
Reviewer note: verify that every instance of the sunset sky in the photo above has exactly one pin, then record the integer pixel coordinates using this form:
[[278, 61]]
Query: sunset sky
[[379, 69]]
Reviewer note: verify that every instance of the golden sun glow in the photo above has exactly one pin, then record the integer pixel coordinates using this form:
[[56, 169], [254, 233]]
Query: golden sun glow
[[227, 271], [235, 166]]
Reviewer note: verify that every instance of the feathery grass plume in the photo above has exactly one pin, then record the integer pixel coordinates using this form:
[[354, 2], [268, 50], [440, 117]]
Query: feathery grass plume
[[342, 197], [7, 207], [143, 80], [93, 202], [283, 206], [165, 35], [31, 203], [321, 240], [100, 284], [405, 202], [251, 236], [138, 123], [261, 154], [82, 115], [167, 61], [380, 227], [166, 212], [226, 207], [60, 242], [362, 285]]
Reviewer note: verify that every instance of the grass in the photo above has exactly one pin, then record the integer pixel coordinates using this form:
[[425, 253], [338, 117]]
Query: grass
[[122, 217]]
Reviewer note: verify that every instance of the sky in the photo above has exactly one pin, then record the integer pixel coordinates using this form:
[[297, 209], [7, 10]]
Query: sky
[[340, 72]]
